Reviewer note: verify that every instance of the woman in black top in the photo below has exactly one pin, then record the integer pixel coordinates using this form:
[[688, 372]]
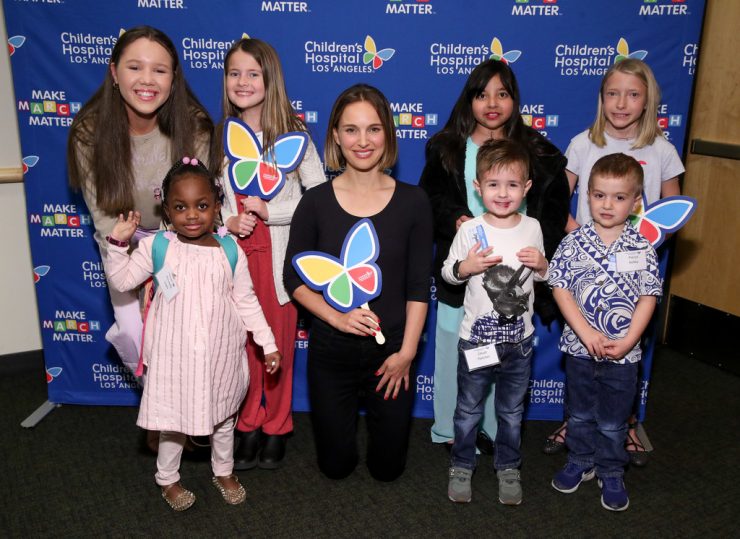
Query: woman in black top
[[345, 362]]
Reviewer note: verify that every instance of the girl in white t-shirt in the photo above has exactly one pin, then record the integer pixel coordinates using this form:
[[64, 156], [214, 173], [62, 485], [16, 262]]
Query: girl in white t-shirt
[[626, 122]]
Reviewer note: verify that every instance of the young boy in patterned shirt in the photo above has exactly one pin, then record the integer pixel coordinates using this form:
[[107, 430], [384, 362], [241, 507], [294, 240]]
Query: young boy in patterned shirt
[[605, 280]]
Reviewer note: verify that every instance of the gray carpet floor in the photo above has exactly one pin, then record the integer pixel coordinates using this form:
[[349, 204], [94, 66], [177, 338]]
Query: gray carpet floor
[[83, 472]]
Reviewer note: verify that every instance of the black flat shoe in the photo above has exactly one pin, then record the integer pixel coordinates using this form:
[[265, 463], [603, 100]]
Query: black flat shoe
[[246, 448], [273, 452], [637, 452], [484, 443], [555, 443]]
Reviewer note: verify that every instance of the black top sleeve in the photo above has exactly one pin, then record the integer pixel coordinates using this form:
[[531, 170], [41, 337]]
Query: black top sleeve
[[404, 229], [447, 196]]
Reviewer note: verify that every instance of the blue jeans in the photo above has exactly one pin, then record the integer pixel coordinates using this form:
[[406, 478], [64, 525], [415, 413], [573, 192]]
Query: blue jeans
[[511, 377], [600, 395], [445, 377]]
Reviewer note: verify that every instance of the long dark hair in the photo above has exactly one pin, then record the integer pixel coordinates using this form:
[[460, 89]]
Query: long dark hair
[[461, 122], [278, 116], [100, 131]]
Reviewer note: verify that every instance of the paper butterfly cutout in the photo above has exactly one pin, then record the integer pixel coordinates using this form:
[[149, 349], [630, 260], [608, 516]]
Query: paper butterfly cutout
[[351, 281], [497, 53], [623, 52], [52, 372], [253, 172], [663, 217], [372, 54]]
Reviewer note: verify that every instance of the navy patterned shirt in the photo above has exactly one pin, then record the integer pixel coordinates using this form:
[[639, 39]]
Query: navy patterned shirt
[[587, 268]]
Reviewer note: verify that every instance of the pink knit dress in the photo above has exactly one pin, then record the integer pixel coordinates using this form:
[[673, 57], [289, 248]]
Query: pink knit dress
[[196, 365]]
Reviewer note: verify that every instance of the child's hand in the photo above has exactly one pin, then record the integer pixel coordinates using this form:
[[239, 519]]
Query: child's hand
[[257, 206], [124, 229], [594, 341], [477, 261], [618, 348], [242, 224], [534, 259], [272, 362]]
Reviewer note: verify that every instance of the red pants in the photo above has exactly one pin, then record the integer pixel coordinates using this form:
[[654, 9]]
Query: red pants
[[273, 413]]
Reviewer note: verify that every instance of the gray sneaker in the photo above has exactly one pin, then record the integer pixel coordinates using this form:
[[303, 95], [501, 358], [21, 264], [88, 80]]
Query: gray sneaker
[[458, 489], [509, 486]]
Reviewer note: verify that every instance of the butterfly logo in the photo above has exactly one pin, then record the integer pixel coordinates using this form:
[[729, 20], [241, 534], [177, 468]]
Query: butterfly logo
[[497, 53], [623, 50], [254, 172], [40, 271], [377, 57], [663, 217], [350, 281], [15, 42], [52, 372], [29, 162]]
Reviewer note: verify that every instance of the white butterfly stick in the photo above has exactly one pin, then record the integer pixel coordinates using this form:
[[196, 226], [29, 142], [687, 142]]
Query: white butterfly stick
[[379, 337]]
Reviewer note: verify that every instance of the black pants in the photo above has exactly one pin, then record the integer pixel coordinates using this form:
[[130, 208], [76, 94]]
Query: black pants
[[341, 378]]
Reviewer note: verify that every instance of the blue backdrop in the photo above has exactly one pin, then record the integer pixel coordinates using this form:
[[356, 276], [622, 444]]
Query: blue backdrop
[[559, 50]]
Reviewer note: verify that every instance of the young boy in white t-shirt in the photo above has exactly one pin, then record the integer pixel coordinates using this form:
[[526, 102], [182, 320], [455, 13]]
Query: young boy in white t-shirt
[[498, 255]]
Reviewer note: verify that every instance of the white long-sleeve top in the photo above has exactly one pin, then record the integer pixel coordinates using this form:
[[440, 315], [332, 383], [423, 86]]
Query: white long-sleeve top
[[309, 173]]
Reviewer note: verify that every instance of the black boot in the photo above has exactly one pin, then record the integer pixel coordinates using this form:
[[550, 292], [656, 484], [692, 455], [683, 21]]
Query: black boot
[[246, 448], [273, 452]]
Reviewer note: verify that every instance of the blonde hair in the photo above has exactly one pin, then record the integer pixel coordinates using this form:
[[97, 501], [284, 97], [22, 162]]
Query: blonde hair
[[648, 128], [361, 92], [278, 116]]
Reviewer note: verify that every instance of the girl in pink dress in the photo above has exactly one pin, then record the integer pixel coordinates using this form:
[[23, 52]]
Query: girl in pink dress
[[195, 328]]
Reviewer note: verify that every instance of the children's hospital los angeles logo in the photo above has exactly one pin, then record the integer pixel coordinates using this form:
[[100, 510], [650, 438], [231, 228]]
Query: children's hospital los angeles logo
[[205, 52], [574, 60], [15, 43], [336, 57], [461, 58], [87, 48]]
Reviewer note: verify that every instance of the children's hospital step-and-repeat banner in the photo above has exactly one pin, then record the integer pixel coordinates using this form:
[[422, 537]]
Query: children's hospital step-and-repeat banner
[[418, 52]]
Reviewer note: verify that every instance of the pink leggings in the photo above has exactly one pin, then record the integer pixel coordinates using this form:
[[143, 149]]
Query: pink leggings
[[126, 332], [171, 445]]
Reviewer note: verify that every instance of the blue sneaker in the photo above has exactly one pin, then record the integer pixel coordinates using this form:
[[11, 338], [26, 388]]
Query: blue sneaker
[[569, 478], [613, 494]]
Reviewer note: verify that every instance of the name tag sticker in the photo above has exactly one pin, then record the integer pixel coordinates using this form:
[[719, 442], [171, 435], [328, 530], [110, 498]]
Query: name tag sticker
[[483, 356], [166, 283], [631, 261]]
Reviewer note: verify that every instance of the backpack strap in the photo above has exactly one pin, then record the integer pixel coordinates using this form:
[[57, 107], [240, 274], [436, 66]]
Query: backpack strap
[[159, 250], [230, 248]]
